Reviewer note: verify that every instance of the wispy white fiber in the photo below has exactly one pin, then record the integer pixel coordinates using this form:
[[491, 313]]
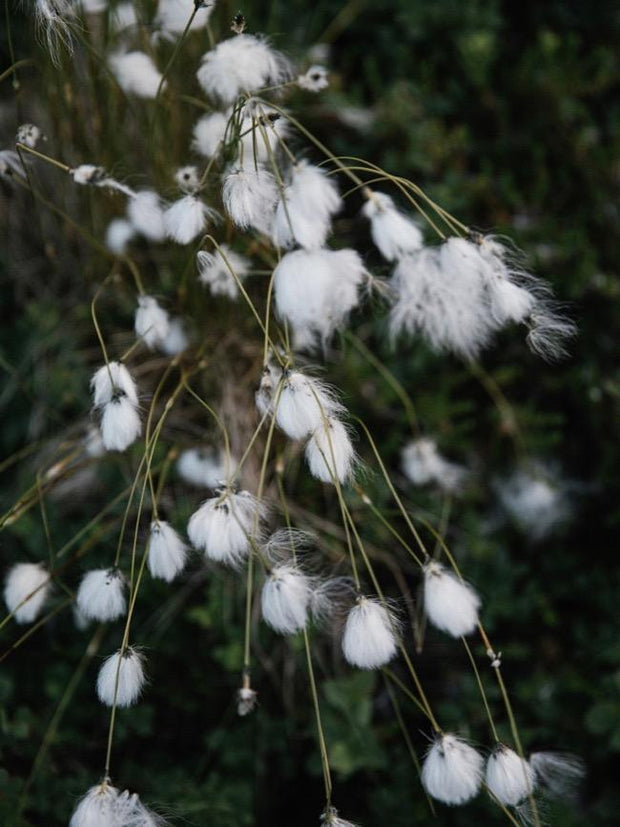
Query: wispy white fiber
[[152, 322], [304, 405], [214, 270], [250, 195]]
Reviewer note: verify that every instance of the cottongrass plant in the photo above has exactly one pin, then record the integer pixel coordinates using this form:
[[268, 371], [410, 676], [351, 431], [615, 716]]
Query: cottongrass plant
[[255, 225]]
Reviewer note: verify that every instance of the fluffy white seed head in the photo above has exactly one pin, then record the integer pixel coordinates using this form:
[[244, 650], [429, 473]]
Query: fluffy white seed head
[[214, 270], [121, 678], [209, 132], [28, 134], [369, 639], [329, 452], [205, 467], [244, 63], [97, 808], [108, 380], [314, 79], [423, 464], [452, 770], [26, 589], [120, 424], [136, 73], [450, 604], [152, 321], [535, 499], [167, 551], [176, 339], [52, 20], [250, 196], [118, 235], [101, 595], [223, 525], [285, 599], [304, 405], [508, 777], [394, 234], [173, 16], [187, 218], [145, 213]]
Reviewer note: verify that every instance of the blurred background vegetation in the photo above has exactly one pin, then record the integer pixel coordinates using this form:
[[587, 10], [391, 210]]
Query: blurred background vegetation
[[509, 116]]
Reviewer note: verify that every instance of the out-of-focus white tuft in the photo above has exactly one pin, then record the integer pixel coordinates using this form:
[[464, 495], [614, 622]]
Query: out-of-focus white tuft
[[535, 498], [315, 290], [152, 322], [250, 196], [452, 770], [205, 467], [173, 16], [136, 73], [167, 551], [369, 639], [508, 777], [450, 604], [285, 599], [121, 678], [187, 218], [246, 701], [304, 212], [396, 235], [224, 526], [26, 589], [209, 133], [101, 595], [423, 464], [118, 235], [214, 270], [557, 773], [176, 340], [314, 79], [11, 164], [120, 423], [329, 452], [145, 213], [243, 63]]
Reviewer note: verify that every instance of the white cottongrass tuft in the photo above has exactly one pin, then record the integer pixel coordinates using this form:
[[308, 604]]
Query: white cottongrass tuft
[[285, 599], [329, 452], [450, 604], [152, 322], [121, 678], [243, 63], [508, 777], [101, 595], [250, 197], [305, 403], [535, 498], [315, 290], [96, 808], [173, 16], [223, 525], [118, 235], [120, 423], [136, 73], [369, 639], [260, 131], [52, 18], [205, 467], [28, 134], [557, 773], [209, 133], [108, 380], [214, 270], [26, 589], [167, 551], [187, 218], [145, 213], [303, 215], [422, 464], [452, 770], [394, 234], [176, 340], [314, 79]]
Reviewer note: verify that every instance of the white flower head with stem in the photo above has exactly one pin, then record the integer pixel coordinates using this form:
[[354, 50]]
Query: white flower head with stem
[[370, 634], [121, 678], [450, 604], [452, 771]]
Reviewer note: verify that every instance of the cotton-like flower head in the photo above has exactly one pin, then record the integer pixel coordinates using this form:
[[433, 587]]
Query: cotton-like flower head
[[246, 701], [121, 678], [243, 63], [369, 639], [52, 19], [101, 595], [152, 321], [314, 79], [395, 234], [173, 16], [108, 380], [260, 130], [205, 467], [535, 498], [450, 604], [250, 196], [329, 452], [508, 777], [118, 235], [209, 133], [303, 215], [556, 773], [120, 423], [26, 589], [224, 525], [423, 464], [330, 818], [96, 808], [304, 405], [136, 73], [452, 770], [214, 270], [315, 290], [28, 134], [145, 213], [187, 179], [187, 218], [167, 551], [285, 599]]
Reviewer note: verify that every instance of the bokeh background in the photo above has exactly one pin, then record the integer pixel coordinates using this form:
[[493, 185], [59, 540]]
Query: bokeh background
[[509, 116]]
